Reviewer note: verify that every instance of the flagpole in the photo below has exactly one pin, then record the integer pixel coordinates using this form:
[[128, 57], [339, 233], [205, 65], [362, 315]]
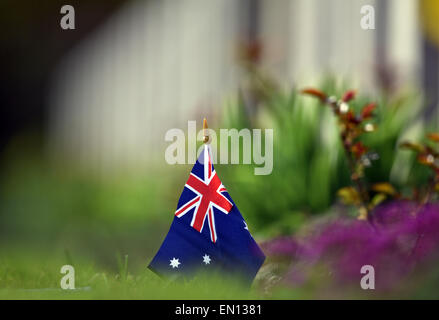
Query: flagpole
[[205, 132]]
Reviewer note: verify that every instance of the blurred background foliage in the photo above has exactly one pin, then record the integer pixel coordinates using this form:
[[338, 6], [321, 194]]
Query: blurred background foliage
[[47, 206], [309, 162]]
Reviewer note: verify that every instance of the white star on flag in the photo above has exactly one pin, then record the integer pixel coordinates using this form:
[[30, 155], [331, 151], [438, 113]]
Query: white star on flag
[[206, 259], [245, 225], [174, 263]]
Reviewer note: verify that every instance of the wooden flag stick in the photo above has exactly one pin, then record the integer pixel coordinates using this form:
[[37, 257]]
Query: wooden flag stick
[[205, 133]]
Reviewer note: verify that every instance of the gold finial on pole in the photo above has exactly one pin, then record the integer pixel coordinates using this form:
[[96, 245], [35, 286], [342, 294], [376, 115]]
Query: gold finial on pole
[[205, 132]]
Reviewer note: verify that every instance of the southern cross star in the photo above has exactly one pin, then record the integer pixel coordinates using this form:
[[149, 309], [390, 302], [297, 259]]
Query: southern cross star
[[206, 259], [174, 263]]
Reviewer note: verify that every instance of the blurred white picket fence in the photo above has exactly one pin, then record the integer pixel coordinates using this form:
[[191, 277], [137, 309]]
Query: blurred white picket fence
[[156, 64]]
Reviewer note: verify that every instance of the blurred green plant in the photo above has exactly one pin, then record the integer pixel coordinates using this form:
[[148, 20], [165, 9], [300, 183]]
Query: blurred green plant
[[309, 166]]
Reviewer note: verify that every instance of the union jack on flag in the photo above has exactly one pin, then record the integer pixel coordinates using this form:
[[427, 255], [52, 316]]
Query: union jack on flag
[[208, 231], [208, 194]]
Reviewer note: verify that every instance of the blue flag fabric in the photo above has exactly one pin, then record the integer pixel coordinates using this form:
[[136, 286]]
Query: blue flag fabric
[[208, 232]]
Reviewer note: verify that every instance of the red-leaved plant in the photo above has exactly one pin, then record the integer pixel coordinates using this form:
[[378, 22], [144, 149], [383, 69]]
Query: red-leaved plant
[[427, 155], [352, 127]]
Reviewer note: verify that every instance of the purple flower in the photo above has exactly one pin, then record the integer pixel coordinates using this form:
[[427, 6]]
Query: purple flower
[[402, 239], [285, 246]]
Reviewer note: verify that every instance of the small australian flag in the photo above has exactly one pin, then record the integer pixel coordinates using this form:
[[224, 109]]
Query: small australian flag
[[208, 232]]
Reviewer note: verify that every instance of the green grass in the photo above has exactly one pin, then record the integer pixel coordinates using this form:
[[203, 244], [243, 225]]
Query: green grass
[[38, 277]]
